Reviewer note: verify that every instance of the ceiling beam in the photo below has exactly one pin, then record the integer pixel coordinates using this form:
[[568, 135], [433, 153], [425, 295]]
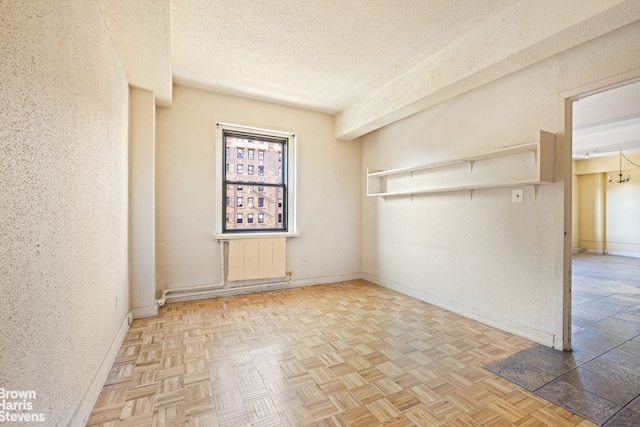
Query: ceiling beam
[[524, 34]]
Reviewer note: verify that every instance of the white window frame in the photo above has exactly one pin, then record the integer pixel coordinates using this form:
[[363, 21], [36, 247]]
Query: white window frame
[[291, 229]]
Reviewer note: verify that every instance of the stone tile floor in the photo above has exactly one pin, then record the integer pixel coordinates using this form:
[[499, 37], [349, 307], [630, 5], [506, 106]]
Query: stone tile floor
[[600, 379]]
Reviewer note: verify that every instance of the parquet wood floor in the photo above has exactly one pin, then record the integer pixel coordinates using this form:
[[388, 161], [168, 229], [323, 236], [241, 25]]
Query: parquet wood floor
[[346, 354]]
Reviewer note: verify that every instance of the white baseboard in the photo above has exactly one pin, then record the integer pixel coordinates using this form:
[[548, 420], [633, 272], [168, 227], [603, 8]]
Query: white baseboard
[[83, 412], [515, 328], [256, 286], [140, 312], [622, 253], [326, 279]]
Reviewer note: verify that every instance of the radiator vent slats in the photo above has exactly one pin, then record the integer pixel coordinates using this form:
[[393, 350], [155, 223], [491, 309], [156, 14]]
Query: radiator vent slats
[[262, 258]]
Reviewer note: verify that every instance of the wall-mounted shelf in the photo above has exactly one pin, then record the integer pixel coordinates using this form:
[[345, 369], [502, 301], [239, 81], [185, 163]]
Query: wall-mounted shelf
[[543, 170]]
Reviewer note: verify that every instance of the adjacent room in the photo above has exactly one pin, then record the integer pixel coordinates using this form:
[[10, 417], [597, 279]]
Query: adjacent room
[[309, 213], [599, 377]]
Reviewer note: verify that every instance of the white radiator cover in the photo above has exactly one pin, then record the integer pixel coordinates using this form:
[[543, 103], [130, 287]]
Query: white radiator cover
[[260, 258]]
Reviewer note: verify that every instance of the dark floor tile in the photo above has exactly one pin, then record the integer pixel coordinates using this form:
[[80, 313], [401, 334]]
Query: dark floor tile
[[579, 401], [594, 342], [628, 316], [581, 297], [526, 376], [602, 374], [628, 299], [605, 306], [635, 405], [614, 371], [617, 327], [617, 392], [634, 310], [620, 356], [632, 345], [624, 418], [553, 362], [585, 316]]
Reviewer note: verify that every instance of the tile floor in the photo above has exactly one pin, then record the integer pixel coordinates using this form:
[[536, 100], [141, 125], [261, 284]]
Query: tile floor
[[600, 379]]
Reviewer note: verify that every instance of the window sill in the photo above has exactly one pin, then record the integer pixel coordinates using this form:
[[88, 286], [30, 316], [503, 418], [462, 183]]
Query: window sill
[[239, 236]]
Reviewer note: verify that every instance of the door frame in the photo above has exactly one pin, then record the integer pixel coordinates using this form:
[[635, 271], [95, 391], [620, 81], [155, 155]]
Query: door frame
[[563, 151]]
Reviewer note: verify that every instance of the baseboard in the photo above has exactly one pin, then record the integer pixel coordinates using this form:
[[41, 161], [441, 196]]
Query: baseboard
[[515, 328], [326, 279], [83, 412], [256, 286], [592, 251], [625, 254], [141, 312]]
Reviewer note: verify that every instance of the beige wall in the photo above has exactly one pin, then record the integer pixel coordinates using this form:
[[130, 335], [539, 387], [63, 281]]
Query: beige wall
[[63, 210], [608, 212], [328, 189], [142, 224], [485, 257], [575, 209], [591, 210]]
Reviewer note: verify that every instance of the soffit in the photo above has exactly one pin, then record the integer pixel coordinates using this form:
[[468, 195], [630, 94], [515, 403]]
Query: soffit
[[139, 31]]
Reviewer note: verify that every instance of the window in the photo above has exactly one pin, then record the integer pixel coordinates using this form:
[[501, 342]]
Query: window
[[257, 158]]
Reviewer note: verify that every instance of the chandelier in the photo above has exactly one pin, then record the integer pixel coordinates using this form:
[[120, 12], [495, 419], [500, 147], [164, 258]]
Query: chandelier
[[622, 179]]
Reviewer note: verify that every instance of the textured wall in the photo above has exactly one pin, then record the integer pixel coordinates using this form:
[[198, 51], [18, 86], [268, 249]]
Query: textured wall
[[63, 209], [328, 189], [485, 257]]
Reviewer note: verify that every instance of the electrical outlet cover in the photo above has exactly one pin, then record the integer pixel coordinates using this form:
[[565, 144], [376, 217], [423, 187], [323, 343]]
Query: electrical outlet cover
[[517, 196]]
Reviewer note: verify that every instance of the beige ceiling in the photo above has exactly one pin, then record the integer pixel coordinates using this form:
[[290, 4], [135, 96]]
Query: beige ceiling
[[368, 62]]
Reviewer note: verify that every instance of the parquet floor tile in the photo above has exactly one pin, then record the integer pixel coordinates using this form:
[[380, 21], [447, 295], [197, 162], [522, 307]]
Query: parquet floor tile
[[345, 354]]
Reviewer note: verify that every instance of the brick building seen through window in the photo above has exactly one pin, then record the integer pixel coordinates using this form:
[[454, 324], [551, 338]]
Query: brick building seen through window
[[255, 181]]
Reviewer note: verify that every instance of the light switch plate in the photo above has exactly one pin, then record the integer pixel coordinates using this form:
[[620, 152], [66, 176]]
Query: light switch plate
[[517, 196]]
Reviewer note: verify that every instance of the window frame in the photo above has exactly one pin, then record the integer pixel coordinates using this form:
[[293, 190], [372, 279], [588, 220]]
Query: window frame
[[287, 187]]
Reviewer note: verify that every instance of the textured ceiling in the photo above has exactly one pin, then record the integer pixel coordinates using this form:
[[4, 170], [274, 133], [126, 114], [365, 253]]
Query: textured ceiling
[[607, 122], [321, 55], [369, 62], [140, 33]]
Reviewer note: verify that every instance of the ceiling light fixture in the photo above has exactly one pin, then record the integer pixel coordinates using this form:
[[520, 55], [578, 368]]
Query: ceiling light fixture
[[622, 179]]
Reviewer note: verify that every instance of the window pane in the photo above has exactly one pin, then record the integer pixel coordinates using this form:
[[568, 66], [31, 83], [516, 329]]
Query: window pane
[[269, 159], [251, 214], [255, 161]]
